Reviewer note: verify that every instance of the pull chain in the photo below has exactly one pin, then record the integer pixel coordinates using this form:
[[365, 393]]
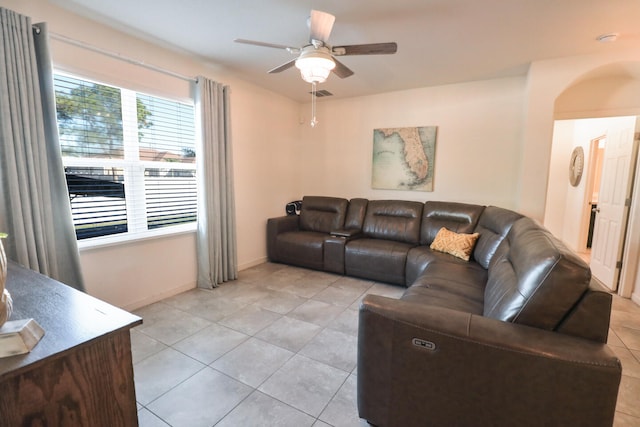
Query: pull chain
[[314, 122]]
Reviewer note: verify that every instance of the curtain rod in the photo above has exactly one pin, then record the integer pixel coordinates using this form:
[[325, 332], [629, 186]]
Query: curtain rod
[[115, 55]]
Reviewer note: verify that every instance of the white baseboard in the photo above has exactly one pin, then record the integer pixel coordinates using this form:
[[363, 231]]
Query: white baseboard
[[635, 297], [159, 297], [175, 291], [253, 263]]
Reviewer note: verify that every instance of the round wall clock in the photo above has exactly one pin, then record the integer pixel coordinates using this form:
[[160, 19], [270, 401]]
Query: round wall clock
[[576, 165]]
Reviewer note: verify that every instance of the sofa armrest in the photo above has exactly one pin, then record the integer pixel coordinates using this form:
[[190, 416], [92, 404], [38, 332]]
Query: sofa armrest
[[334, 248], [427, 365], [276, 226]]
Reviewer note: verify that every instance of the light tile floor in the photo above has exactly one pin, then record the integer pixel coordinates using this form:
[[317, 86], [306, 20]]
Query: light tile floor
[[277, 347]]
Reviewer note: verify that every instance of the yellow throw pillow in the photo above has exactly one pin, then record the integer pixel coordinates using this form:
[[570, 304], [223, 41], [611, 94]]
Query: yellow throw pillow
[[457, 244]]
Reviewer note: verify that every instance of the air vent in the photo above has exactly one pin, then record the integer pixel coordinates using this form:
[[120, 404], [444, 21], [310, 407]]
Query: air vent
[[321, 93]]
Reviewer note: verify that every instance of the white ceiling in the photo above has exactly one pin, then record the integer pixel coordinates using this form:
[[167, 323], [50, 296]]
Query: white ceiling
[[439, 41]]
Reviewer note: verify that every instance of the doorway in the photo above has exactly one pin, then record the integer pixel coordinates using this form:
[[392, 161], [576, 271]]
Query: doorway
[[572, 208], [594, 175]]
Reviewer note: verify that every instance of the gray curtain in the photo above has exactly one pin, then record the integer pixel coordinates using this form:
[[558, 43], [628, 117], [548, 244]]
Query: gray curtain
[[216, 237], [34, 202]]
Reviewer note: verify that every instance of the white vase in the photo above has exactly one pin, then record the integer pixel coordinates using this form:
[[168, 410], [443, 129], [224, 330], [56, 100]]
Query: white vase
[[6, 304]]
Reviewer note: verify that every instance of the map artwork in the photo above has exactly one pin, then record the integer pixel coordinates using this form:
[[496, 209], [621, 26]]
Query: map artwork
[[403, 158]]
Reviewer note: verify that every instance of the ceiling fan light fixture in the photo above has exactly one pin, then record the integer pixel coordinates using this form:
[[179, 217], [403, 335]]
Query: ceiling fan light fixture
[[315, 65]]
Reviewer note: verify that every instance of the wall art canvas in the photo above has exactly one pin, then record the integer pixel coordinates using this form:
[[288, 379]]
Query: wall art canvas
[[403, 158]]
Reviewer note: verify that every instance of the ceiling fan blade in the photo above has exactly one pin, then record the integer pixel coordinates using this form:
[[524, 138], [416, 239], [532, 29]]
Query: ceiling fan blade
[[320, 25], [366, 49], [263, 44], [283, 67], [341, 70]]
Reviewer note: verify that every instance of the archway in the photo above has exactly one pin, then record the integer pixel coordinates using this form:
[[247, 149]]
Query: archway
[[583, 112]]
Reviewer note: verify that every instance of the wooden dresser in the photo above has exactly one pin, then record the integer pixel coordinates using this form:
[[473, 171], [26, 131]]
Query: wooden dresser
[[80, 373]]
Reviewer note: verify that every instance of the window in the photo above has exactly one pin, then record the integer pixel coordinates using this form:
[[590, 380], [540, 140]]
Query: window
[[129, 158]]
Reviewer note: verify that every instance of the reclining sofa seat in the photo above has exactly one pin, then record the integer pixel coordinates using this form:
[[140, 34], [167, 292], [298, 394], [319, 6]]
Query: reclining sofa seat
[[457, 217], [390, 229], [300, 240]]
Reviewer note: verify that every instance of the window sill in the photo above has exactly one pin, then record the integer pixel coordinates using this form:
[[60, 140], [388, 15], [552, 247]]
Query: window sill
[[128, 238]]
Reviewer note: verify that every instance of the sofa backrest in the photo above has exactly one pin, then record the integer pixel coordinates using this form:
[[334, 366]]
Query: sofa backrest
[[322, 214], [534, 279], [397, 220], [493, 226], [457, 217], [355, 214]]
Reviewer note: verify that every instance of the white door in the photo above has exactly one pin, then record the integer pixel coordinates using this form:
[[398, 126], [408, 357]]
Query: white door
[[611, 217]]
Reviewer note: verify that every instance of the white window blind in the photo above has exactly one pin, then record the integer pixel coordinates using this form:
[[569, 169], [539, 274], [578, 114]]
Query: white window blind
[[129, 158]]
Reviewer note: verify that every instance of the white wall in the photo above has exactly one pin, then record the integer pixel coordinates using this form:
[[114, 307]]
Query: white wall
[[265, 139], [135, 274], [477, 150], [554, 215], [266, 152]]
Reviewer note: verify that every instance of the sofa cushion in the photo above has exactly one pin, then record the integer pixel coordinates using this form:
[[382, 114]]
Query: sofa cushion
[[322, 214], [377, 259], [420, 257], [466, 280], [442, 298], [459, 245], [303, 248], [493, 226], [458, 217], [457, 286], [396, 220], [535, 280]]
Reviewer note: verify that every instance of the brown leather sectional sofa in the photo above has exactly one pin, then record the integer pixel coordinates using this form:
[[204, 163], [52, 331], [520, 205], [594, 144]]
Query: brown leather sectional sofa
[[514, 336]]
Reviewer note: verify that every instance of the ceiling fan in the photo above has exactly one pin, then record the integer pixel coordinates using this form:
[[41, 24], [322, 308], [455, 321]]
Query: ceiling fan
[[317, 59]]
